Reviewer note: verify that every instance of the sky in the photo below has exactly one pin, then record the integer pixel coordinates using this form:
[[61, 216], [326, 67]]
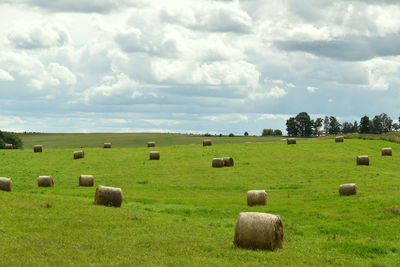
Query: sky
[[195, 66]]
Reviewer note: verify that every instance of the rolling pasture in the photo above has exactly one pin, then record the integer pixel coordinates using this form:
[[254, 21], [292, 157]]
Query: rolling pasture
[[181, 211]]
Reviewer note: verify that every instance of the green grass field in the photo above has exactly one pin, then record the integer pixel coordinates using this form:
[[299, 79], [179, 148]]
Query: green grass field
[[129, 139], [180, 211]]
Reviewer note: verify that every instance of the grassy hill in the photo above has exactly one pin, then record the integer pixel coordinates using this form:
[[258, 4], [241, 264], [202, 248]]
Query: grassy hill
[[180, 211], [129, 139]]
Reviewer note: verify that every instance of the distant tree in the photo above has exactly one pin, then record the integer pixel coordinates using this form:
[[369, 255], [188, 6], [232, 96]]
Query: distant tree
[[355, 127], [10, 138], [267, 132], [207, 134], [277, 132], [316, 125], [396, 126], [304, 125], [246, 134], [364, 125], [347, 127], [220, 135], [334, 125], [326, 125], [291, 127], [231, 135], [381, 123]]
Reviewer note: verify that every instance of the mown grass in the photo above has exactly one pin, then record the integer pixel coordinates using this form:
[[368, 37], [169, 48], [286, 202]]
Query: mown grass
[[180, 211], [129, 139]]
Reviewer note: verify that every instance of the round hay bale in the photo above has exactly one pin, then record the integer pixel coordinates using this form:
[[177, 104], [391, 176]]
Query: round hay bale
[[5, 184], [45, 181], [108, 196], [8, 146], [347, 189], [151, 144], [256, 197], [387, 151], [37, 148], [107, 145], [154, 155], [79, 154], [291, 141], [258, 230], [207, 142], [218, 162], [86, 180], [362, 160], [339, 139], [228, 162]]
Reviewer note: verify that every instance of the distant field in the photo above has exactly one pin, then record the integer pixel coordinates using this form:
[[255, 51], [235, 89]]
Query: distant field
[[129, 139], [181, 212]]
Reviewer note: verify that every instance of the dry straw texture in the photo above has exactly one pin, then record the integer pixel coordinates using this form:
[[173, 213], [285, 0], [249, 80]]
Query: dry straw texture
[[151, 144], [45, 181], [257, 230], [79, 155], [256, 197], [387, 151], [347, 189], [107, 145], [108, 196], [218, 162], [154, 155], [37, 148], [8, 146], [362, 160], [207, 142], [86, 180], [5, 184], [291, 141], [228, 162], [339, 139]]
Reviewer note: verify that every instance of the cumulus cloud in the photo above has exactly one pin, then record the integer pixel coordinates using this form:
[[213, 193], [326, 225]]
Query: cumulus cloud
[[311, 89], [87, 6], [5, 76], [212, 17], [39, 36]]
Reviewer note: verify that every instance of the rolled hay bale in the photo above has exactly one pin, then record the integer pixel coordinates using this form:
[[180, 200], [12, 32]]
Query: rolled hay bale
[[207, 142], [107, 145], [228, 162], [291, 141], [256, 197], [154, 155], [218, 162], [339, 139], [79, 154], [8, 146], [86, 180], [258, 230], [5, 184], [108, 196], [347, 189], [45, 181], [387, 151], [362, 160], [37, 148], [151, 144]]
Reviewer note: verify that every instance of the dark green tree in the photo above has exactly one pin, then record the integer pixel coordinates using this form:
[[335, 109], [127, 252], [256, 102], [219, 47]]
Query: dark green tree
[[246, 134], [303, 124], [365, 125], [334, 125], [326, 125], [291, 127], [10, 138], [316, 125], [277, 132], [267, 132], [355, 127], [347, 127]]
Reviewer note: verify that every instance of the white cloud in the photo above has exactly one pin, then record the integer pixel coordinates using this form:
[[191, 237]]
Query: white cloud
[[5, 76], [40, 36], [312, 89]]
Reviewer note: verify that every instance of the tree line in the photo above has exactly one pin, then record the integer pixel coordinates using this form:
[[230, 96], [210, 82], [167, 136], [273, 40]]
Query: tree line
[[302, 125]]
